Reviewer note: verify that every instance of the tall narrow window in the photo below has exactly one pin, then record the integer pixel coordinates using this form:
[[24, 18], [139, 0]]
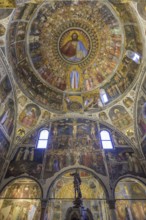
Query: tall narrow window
[[106, 140], [43, 139], [103, 96]]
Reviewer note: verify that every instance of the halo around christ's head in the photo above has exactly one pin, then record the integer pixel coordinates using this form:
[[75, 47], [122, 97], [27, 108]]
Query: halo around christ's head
[[74, 45]]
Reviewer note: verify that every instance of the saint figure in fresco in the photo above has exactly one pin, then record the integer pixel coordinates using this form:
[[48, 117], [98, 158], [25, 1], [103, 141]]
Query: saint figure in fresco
[[74, 79], [74, 50], [29, 116]]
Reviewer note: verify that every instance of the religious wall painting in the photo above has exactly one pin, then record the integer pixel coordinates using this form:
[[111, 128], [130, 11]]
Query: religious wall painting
[[66, 181], [36, 59], [74, 45], [91, 101], [123, 78], [42, 94], [27, 160], [2, 30], [128, 102], [23, 12], [120, 117], [141, 119], [103, 116], [12, 33], [141, 6], [84, 37], [62, 195], [90, 187], [126, 208], [22, 188], [88, 128], [20, 200], [45, 115], [18, 12], [73, 103], [74, 78], [20, 209], [59, 159], [21, 28], [4, 147], [62, 127], [123, 161], [131, 195], [30, 115], [7, 117], [4, 13], [5, 89], [20, 133], [130, 132], [7, 4], [129, 31], [20, 51], [111, 90], [32, 138], [130, 188], [13, 54], [22, 100], [71, 133], [118, 140]]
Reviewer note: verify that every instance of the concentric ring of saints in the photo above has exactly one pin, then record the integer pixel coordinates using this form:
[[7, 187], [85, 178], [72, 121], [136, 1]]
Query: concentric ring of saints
[[74, 45]]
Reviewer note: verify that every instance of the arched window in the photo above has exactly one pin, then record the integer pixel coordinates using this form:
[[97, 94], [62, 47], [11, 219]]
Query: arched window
[[103, 96], [43, 139], [106, 140]]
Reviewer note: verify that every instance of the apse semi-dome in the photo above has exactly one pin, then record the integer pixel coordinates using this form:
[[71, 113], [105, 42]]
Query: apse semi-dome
[[74, 56]]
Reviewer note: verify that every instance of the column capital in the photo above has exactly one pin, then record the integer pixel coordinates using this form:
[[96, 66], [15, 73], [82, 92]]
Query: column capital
[[111, 204], [44, 203]]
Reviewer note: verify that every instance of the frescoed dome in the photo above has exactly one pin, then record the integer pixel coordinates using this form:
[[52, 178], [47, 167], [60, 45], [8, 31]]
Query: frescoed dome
[[64, 50]]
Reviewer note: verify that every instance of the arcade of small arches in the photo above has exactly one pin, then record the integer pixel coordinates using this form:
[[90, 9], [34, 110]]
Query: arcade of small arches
[[30, 198], [39, 172]]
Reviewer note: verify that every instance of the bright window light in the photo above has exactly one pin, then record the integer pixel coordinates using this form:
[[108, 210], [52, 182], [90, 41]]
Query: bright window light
[[103, 96], [106, 140], [107, 145], [133, 56], [42, 144], [105, 99], [43, 139], [105, 136], [44, 134], [136, 58]]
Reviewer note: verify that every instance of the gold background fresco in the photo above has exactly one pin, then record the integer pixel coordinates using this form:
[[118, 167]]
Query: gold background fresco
[[42, 88]]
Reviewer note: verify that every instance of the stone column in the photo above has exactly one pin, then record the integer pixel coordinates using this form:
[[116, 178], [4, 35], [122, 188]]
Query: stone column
[[43, 208], [112, 210]]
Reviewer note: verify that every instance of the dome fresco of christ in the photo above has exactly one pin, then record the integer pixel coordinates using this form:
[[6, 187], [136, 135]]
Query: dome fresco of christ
[[106, 58]]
